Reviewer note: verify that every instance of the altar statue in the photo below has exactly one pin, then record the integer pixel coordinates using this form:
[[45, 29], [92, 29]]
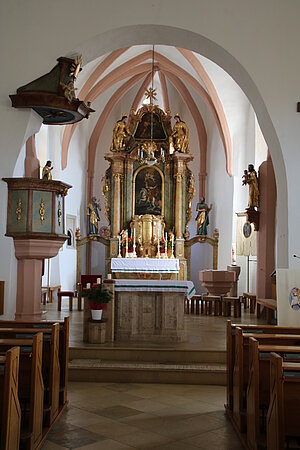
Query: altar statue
[[93, 209], [46, 174], [251, 179], [180, 135], [120, 135], [202, 217]]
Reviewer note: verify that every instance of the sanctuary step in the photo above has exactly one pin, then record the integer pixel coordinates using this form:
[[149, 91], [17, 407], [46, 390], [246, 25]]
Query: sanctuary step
[[143, 365]]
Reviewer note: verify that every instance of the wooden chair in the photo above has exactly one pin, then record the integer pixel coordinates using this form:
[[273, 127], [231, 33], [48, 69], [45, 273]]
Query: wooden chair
[[10, 411]]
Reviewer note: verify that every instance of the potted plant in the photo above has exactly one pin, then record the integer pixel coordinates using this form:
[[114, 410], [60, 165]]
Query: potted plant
[[97, 299]]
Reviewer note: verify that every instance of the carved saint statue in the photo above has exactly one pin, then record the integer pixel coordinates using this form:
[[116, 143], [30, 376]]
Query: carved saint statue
[[46, 174], [202, 217], [250, 178], [180, 135], [120, 135], [93, 209]]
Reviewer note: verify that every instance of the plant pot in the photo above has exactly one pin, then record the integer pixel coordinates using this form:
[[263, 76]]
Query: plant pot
[[96, 314]]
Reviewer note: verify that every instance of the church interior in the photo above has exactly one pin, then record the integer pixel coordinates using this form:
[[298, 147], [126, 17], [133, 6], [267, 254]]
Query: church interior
[[149, 279]]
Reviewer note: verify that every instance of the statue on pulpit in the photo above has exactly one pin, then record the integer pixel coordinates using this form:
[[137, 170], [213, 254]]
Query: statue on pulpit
[[250, 178], [121, 135], [93, 209], [46, 174], [202, 217], [179, 138]]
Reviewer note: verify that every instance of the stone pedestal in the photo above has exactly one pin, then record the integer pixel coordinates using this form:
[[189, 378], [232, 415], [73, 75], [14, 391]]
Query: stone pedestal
[[217, 282], [97, 332]]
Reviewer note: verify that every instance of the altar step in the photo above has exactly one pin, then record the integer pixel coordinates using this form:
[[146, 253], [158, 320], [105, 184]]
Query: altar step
[[147, 366]]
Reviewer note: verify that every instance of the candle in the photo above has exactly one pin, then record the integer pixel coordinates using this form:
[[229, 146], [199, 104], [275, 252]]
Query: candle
[[98, 280], [88, 285], [134, 235], [109, 276]]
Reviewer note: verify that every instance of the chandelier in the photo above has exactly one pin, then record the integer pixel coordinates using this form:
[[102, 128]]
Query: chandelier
[[149, 153]]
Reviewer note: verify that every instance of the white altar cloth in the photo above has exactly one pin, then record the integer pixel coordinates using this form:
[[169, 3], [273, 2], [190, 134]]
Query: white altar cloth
[[147, 265], [186, 287]]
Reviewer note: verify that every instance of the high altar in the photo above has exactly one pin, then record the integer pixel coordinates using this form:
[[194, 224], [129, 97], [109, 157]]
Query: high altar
[[148, 188]]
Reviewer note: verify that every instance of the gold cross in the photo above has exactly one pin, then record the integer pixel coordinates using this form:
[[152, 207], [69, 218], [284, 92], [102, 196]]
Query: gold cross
[[151, 94]]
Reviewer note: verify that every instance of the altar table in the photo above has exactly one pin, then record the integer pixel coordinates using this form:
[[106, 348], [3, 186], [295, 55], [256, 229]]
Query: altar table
[[151, 310], [145, 265]]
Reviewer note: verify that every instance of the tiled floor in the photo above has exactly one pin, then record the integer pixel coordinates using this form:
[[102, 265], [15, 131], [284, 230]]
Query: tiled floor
[[110, 416]]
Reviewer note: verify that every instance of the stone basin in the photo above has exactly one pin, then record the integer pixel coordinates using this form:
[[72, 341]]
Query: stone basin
[[217, 282]]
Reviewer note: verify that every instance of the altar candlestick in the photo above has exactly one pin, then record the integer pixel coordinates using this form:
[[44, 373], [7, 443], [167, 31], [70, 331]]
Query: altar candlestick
[[134, 251], [166, 246], [119, 255], [126, 252], [172, 241], [158, 248]]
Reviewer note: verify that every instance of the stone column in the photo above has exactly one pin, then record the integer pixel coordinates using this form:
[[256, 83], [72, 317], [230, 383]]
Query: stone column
[[29, 254], [266, 233], [178, 205]]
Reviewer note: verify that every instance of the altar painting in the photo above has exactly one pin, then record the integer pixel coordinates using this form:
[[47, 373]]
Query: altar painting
[[148, 191]]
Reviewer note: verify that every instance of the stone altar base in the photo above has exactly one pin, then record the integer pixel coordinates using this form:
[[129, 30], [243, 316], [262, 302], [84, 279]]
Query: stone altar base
[[150, 316]]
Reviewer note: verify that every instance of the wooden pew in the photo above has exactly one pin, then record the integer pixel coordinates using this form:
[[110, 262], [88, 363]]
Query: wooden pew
[[10, 411], [241, 368], [30, 389], [64, 329], [258, 390], [283, 412], [257, 329], [269, 304], [50, 365]]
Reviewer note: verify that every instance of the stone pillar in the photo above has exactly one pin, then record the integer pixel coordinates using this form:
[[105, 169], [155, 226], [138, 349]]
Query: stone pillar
[[30, 253], [266, 233]]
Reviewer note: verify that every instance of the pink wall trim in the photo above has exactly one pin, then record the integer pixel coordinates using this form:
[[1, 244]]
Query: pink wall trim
[[164, 89], [100, 125], [32, 164], [201, 131], [141, 92], [196, 64], [70, 129]]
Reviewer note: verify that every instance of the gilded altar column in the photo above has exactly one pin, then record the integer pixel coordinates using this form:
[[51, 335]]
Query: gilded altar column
[[178, 205], [117, 199]]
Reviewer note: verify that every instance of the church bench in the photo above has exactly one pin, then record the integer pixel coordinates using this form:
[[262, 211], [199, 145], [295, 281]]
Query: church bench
[[258, 390], [241, 368], [10, 411], [269, 304], [30, 389], [64, 330], [50, 364], [249, 299], [284, 406], [231, 302], [49, 290], [257, 329]]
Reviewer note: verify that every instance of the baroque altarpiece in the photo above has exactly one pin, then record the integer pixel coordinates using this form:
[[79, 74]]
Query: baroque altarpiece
[[148, 187]]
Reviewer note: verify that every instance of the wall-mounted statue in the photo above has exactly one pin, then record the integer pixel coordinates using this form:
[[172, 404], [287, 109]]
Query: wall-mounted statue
[[93, 209], [180, 135], [250, 178], [46, 174], [202, 217], [121, 135]]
